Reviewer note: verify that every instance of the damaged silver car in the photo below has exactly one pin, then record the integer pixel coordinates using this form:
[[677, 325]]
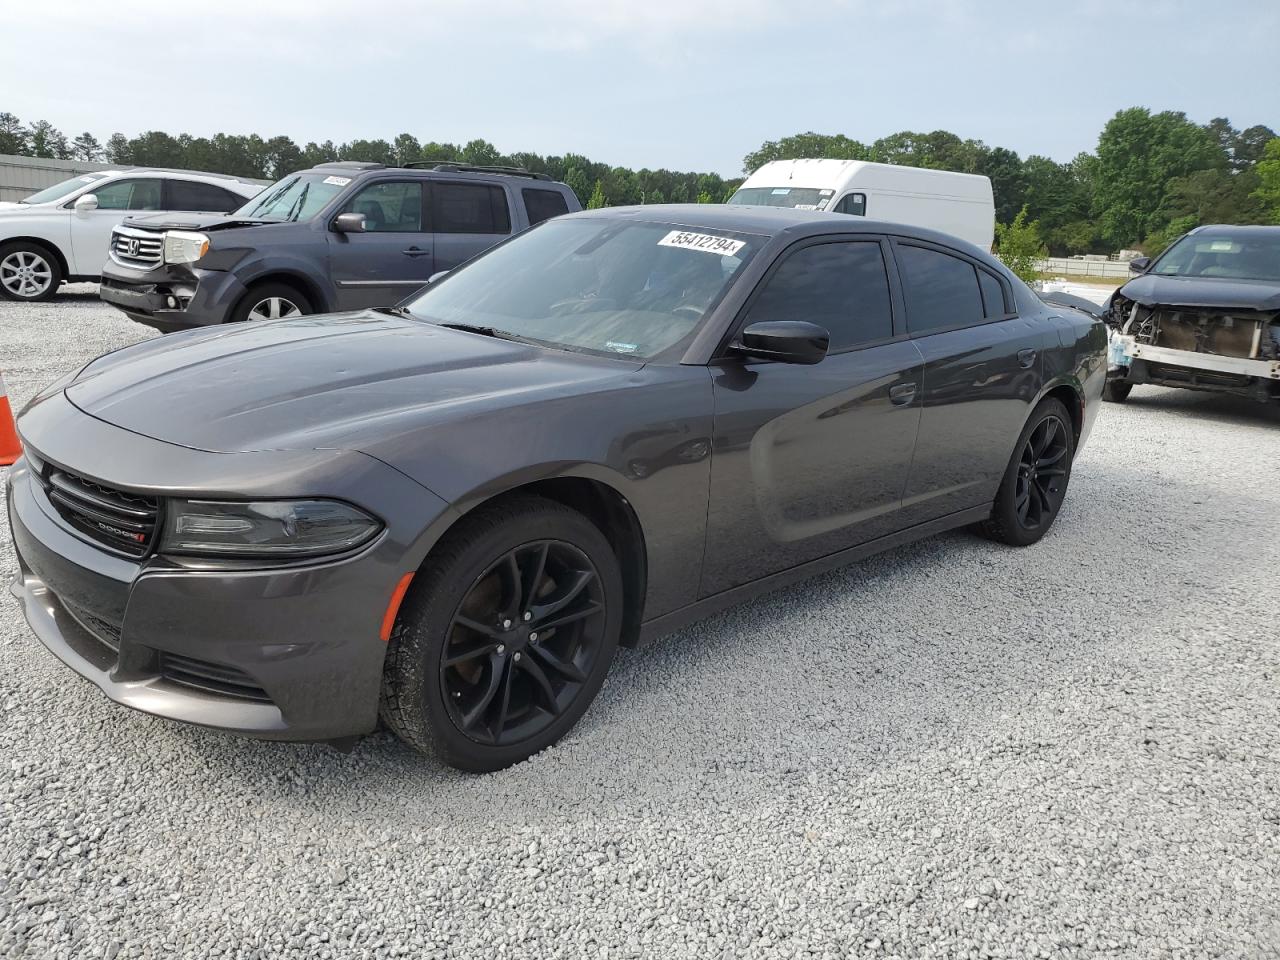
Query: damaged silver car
[[1205, 315]]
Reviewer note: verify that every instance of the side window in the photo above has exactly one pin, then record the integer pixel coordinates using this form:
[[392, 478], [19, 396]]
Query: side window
[[543, 204], [841, 286], [129, 195], [469, 208], [205, 197], [853, 203], [389, 207], [942, 290], [992, 295]]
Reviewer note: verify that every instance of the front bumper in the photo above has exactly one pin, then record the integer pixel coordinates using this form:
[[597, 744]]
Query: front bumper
[[1136, 362], [171, 297], [284, 654]]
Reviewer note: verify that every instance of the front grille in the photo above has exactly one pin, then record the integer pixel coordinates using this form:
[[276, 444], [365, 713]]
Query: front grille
[[210, 677], [125, 522], [137, 249]]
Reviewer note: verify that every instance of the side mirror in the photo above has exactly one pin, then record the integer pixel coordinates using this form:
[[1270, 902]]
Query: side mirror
[[349, 223], [786, 341], [86, 202], [1139, 264], [436, 276]]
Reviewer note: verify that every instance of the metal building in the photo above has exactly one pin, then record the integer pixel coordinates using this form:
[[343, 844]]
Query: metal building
[[22, 176]]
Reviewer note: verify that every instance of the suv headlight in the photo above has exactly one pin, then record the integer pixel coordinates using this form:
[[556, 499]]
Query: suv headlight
[[180, 246], [270, 528]]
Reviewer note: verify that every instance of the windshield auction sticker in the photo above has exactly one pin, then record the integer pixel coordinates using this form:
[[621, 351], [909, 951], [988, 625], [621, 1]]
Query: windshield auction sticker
[[702, 241], [337, 181]]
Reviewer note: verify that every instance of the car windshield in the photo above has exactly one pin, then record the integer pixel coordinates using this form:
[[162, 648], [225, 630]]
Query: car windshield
[[606, 286], [798, 198], [65, 188], [299, 197], [1244, 256]]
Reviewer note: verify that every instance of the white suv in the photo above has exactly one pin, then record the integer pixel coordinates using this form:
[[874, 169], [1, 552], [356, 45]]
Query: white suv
[[62, 233]]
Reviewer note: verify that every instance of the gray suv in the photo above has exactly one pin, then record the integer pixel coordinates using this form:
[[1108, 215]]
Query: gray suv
[[339, 236]]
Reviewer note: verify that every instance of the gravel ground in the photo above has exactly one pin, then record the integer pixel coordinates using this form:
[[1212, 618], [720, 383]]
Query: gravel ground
[[956, 749]]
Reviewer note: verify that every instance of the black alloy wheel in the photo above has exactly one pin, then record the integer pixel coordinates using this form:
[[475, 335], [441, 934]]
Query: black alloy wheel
[[522, 642], [506, 635], [1035, 481], [1041, 480]]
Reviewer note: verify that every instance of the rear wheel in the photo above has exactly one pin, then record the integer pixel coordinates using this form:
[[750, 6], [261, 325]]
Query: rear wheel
[[271, 301], [1116, 391], [1035, 482], [28, 272], [506, 637]]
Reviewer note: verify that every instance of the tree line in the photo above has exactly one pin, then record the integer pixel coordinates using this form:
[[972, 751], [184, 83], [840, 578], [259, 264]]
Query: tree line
[[1151, 177]]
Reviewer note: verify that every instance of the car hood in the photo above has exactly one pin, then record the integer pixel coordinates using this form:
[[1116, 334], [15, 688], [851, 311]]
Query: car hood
[[193, 221], [342, 381], [6, 205], [1212, 292]]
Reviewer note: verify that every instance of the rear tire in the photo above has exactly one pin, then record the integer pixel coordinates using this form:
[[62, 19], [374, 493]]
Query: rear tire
[[28, 272], [1035, 482], [271, 301], [472, 679], [1116, 391]]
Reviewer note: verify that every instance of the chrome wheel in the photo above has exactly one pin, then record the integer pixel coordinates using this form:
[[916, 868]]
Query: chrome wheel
[[26, 274], [523, 642], [274, 308]]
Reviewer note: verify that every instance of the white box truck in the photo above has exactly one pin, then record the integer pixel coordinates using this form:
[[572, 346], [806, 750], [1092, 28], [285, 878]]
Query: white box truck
[[960, 204]]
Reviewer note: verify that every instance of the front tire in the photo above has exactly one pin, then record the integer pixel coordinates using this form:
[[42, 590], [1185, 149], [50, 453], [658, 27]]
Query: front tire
[[506, 636], [28, 272], [1035, 482], [1116, 391], [271, 301]]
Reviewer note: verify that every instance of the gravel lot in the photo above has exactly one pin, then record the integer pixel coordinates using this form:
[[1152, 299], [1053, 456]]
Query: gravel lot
[[955, 749]]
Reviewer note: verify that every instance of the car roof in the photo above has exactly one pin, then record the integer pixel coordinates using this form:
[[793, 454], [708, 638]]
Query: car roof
[[774, 221], [1233, 230], [223, 178]]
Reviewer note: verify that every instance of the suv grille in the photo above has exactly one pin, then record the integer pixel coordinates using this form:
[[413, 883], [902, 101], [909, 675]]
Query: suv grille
[[125, 522], [134, 248], [210, 677]]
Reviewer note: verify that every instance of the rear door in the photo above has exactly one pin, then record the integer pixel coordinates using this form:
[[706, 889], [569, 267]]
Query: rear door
[[468, 218], [982, 372], [91, 230], [394, 256], [810, 460]]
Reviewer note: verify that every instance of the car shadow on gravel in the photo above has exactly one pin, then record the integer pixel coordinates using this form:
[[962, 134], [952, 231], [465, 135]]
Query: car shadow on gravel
[[1206, 406]]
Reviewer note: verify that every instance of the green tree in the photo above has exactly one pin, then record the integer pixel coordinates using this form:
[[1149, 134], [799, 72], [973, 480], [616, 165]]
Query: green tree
[[1138, 154], [118, 150], [13, 135], [1268, 191], [46, 140], [1213, 196], [1018, 244], [86, 148], [577, 181], [407, 149], [598, 198], [1159, 239], [803, 145]]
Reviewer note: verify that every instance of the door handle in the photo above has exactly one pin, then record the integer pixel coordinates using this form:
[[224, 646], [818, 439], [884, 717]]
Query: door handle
[[415, 252], [1026, 357], [902, 394]]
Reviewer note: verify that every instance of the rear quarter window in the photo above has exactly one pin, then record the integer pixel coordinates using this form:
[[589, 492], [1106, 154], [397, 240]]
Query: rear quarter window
[[543, 204]]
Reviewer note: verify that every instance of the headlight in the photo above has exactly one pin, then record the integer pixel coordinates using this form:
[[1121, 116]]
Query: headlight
[[270, 528], [183, 247]]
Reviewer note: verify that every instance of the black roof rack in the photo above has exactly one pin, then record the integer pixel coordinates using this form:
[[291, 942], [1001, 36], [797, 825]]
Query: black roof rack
[[475, 168], [350, 165]]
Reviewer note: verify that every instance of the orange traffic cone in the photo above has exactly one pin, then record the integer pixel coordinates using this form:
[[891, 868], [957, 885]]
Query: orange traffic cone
[[10, 445]]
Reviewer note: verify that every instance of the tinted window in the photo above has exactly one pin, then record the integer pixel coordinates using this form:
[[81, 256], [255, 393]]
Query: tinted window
[[853, 203], [543, 204], [840, 286], [469, 208], [992, 294], [389, 207], [942, 290], [129, 195], [192, 195]]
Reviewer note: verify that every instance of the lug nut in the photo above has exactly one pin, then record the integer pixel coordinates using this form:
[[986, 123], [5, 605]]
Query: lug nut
[[506, 624], [528, 615], [533, 638], [502, 648], [515, 657]]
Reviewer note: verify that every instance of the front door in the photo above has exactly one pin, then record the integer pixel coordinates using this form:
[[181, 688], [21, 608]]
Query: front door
[[810, 460], [468, 218], [91, 229], [393, 257]]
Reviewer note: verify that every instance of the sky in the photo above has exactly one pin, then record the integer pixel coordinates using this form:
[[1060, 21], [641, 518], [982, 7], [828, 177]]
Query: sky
[[682, 84]]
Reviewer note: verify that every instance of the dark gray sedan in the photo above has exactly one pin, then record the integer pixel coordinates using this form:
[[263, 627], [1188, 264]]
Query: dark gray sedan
[[449, 514]]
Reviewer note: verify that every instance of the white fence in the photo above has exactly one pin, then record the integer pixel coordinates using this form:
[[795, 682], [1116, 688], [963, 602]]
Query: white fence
[[1070, 267]]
